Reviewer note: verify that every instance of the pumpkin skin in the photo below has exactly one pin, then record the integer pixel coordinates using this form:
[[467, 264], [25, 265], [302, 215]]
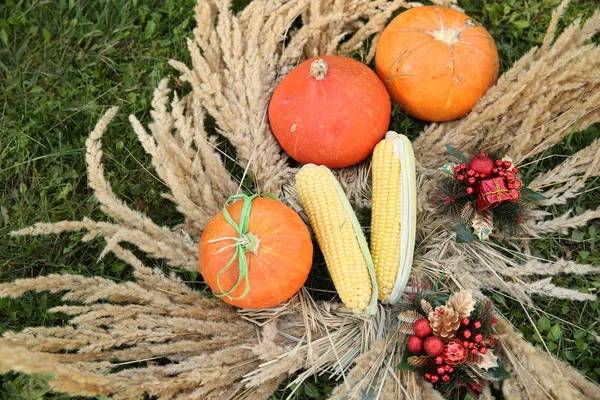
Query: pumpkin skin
[[334, 121], [436, 62], [281, 262]]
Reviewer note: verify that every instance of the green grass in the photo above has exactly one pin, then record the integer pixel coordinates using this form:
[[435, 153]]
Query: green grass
[[62, 63]]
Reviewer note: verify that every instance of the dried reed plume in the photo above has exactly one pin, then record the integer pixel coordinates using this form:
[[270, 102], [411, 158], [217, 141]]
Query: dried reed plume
[[158, 337]]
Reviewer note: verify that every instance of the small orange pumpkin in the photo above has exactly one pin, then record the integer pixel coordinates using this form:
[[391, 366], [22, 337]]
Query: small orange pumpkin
[[330, 111], [436, 62], [276, 246]]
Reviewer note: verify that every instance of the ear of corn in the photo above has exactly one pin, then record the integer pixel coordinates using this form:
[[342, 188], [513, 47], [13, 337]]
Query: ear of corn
[[340, 237], [393, 215]]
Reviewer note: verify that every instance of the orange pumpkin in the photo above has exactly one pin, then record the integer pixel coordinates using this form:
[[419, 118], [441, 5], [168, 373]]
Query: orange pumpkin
[[330, 111], [436, 62], [277, 251]]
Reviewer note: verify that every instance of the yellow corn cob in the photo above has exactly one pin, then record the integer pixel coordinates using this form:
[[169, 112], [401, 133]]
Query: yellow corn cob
[[393, 215], [340, 237]]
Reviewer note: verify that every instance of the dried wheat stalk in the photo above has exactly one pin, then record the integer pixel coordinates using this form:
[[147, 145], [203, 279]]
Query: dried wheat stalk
[[179, 343]]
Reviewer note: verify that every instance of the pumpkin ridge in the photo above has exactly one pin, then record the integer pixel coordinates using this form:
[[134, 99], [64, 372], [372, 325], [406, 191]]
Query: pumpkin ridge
[[440, 18], [404, 55], [479, 36], [447, 102], [478, 48]]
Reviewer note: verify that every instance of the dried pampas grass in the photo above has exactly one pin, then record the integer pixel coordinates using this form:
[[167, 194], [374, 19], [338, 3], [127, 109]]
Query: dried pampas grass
[[158, 337]]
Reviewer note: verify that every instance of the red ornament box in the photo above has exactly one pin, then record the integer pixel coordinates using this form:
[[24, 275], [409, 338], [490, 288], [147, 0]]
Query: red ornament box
[[494, 191]]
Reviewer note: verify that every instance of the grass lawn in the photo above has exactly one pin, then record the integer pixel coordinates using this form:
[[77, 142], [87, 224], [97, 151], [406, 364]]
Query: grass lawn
[[63, 62]]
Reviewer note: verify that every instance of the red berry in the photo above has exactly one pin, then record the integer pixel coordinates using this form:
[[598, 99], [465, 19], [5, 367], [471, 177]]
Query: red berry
[[471, 345], [477, 324], [498, 163], [447, 367], [467, 334], [414, 344], [427, 375], [481, 165], [478, 338], [460, 177], [483, 350], [465, 344], [465, 321], [501, 173], [495, 170], [445, 378], [507, 164], [470, 190], [463, 166], [422, 328], [433, 346], [434, 378], [454, 353], [471, 180], [515, 171], [441, 370], [439, 360], [470, 172], [450, 370], [474, 351]]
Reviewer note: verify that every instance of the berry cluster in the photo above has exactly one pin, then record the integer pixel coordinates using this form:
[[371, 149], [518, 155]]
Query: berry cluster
[[445, 356], [472, 339], [483, 167]]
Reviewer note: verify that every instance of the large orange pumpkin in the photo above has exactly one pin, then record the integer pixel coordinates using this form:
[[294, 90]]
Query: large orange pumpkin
[[277, 248], [436, 62], [330, 111]]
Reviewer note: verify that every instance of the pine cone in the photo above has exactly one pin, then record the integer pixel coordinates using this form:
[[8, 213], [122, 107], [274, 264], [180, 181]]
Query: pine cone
[[462, 303], [444, 321]]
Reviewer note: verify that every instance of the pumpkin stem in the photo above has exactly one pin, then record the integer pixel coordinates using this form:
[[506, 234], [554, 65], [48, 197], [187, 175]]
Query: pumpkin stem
[[318, 69], [249, 242], [449, 36]]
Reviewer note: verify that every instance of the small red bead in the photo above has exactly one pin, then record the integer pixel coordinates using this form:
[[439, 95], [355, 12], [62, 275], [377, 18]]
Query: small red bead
[[441, 370], [463, 166], [471, 181], [474, 351], [427, 375], [478, 338], [483, 350], [470, 172], [471, 345], [460, 177], [470, 190], [434, 378], [467, 334], [495, 170], [445, 378], [447, 367], [439, 360], [498, 163], [465, 321], [466, 344], [507, 164], [451, 370], [477, 324], [515, 171]]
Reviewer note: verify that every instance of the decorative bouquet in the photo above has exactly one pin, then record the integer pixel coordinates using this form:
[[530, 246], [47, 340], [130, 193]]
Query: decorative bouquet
[[451, 345]]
